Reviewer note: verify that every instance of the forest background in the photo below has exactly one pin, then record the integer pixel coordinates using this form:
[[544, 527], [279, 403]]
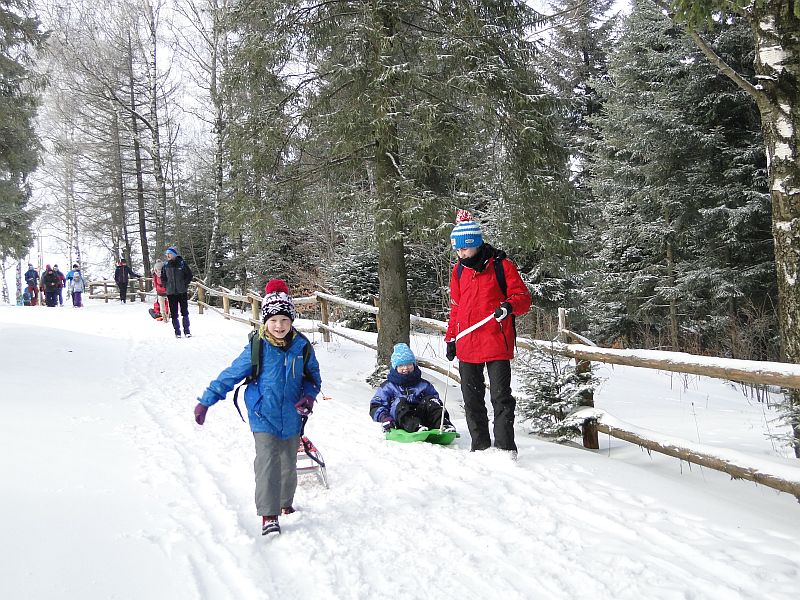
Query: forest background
[[640, 167]]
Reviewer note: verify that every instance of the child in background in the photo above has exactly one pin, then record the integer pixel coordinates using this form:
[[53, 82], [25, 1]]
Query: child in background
[[161, 292], [406, 400], [77, 285], [285, 389]]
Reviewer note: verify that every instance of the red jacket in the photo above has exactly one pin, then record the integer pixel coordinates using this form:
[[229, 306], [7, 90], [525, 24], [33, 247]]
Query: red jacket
[[159, 285], [475, 295]]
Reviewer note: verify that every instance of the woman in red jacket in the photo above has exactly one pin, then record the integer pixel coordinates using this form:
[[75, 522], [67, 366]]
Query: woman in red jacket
[[484, 282]]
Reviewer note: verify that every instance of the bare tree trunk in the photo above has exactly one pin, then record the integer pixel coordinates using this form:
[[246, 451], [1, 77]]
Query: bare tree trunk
[[137, 155], [119, 228], [6, 294], [673, 300], [395, 323], [218, 48], [778, 63], [155, 126]]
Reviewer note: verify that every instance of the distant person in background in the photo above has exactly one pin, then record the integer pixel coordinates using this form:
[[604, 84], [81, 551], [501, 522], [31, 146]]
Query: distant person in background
[[77, 286], [71, 272], [32, 279], [121, 275], [176, 277], [50, 286], [61, 284], [161, 291]]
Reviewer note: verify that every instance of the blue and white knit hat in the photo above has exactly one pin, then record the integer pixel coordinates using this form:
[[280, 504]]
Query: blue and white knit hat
[[467, 233], [171, 250], [402, 355]]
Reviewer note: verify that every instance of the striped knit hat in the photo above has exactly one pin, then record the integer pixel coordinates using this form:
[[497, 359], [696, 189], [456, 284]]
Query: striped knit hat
[[466, 233], [277, 301]]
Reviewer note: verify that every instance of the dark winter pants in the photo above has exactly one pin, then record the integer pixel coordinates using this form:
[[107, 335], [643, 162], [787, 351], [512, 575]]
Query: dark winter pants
[[60, 297], [426, 412], [51, 298], [473, 389], [76, 299], [182, 301], [123, 292], [276, 472]]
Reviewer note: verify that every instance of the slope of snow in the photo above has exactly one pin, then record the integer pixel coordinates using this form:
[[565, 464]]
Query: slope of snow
[[110, 490]]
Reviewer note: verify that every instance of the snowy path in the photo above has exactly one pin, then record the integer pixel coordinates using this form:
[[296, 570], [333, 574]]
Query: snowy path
[[109, 490]]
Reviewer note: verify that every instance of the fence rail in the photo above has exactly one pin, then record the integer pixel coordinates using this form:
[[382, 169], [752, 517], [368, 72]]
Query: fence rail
[[141, 287]]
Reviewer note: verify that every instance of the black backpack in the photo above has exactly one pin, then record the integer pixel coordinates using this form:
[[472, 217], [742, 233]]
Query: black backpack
[[255, 342]]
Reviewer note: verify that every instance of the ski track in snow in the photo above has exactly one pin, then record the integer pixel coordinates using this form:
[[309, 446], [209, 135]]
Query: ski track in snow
[[403, 521]]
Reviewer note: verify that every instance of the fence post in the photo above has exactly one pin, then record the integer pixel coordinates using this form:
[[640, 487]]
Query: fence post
[[201, 298], [226, 305], [105, 291], [142, 289], [325, 316], [562, 325], [255, 309], [583, 369]]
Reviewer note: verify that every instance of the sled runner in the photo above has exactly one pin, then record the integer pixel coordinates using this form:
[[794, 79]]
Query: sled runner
[[432, 436], [309, 459]]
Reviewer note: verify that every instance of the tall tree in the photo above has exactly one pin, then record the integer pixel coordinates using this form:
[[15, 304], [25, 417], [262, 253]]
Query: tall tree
[[421, 108], [20, 40]]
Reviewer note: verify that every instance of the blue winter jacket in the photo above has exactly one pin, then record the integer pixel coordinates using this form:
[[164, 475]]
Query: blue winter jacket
[[271, 399], [397, 387]]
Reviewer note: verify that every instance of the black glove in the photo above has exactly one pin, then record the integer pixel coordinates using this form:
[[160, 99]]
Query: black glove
[[451, 350], [502, 311]]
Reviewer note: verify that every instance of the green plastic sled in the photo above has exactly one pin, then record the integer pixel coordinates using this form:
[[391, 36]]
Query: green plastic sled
[[432, 436]]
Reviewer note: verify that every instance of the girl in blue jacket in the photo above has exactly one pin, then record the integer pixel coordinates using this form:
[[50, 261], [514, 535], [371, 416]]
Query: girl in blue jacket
[[406, 400], [285, 389]]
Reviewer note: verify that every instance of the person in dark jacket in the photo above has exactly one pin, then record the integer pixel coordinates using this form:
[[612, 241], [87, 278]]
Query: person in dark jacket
[[406, 400], [475, 294], [32, 279], [61, 284], [176, 277], [285, 390], [122, 274], [50, 286]]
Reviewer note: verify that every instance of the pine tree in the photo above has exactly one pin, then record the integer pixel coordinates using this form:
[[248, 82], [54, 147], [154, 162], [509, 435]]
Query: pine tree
[[674, 205], [551, 389], [21, 39]]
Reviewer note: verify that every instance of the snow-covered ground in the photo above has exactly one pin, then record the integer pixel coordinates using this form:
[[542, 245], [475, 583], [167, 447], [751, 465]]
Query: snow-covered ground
[[110, 490]]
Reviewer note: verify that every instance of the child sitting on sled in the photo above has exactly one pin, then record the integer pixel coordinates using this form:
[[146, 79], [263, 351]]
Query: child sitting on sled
[[406, 400], [286, 387]]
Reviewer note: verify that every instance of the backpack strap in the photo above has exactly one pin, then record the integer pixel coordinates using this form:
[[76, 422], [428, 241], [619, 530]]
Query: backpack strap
[[255, 367]]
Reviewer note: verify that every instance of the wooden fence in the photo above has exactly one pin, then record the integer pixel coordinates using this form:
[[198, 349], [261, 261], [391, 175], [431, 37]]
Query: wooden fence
[[591, 421], [106, 289]]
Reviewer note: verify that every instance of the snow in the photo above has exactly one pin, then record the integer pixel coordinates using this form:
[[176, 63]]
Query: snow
[[773, 56], [110, 490]]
